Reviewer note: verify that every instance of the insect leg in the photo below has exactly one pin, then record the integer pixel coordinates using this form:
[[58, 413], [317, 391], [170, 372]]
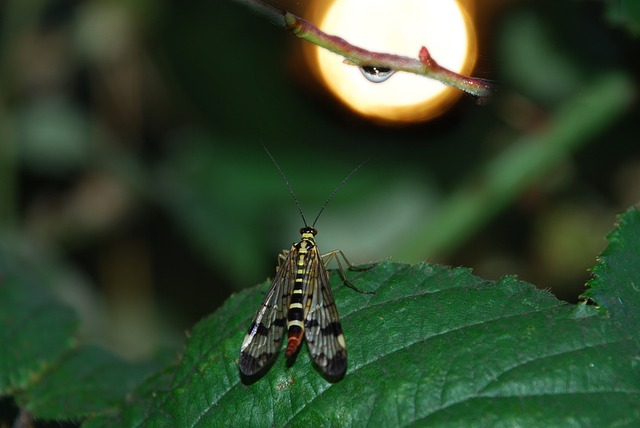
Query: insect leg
[[282, 257], [336, 254]]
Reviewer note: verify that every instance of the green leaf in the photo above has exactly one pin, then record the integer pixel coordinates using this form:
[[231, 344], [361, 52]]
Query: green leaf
[[35, 329], [149, 394], [85, 382], [433, 345], [42, 365], [616, 282]]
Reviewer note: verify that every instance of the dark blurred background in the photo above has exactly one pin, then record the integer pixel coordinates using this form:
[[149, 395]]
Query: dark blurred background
[[132, 174]]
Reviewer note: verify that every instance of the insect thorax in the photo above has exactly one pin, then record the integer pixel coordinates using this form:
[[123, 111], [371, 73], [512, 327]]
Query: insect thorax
[[305, 245]]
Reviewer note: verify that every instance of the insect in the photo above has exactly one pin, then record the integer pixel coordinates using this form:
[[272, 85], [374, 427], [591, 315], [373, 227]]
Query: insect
[[301, 301]]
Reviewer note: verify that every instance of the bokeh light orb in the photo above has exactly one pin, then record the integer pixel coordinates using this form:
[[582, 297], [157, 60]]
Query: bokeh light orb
[[399, 27]]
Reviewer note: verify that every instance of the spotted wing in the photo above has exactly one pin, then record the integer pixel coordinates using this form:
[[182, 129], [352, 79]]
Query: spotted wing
[[322, 324], [263, 340]]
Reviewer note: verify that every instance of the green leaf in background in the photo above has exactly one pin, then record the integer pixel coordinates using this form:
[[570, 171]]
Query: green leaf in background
[[35, 329], [153, 391], [433, 345], [43, 365], [229, 215], [87, 381], [616, 281], [625, 13]]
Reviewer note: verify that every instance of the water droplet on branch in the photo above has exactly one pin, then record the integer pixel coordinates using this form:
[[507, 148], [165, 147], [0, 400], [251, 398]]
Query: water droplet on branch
[[376, 74]]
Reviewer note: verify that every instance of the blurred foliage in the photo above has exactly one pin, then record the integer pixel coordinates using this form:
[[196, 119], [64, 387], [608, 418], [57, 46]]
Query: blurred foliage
[[45, 366], [130, 153], [625, 13]]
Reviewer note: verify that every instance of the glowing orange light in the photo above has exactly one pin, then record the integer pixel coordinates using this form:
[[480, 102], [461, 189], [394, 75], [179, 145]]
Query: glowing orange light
[[398, 27]]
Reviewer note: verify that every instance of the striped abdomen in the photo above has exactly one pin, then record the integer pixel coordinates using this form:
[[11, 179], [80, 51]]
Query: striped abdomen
[[305, 250]]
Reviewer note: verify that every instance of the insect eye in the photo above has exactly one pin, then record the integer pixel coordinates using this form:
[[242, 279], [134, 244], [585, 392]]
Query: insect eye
[[308, 229]]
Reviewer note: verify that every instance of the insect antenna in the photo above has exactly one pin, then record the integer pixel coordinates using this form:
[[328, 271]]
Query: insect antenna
[[289, 185], [336, 190], [295, 199]]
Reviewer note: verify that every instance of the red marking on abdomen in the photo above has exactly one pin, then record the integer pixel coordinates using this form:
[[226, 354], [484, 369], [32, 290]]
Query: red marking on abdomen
[[295, 338]]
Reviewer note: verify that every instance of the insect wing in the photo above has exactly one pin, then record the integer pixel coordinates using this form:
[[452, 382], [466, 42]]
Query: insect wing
[[323, 330], [263, 340]]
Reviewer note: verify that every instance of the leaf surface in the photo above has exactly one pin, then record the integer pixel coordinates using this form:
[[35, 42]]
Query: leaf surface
[[43, 365], [616, 282], [433, 345], [35, 329]]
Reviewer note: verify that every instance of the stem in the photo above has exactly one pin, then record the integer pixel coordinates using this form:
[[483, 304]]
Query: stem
[[275, 15], [424, 66], [522, 164], [8, 173], [15, 17]]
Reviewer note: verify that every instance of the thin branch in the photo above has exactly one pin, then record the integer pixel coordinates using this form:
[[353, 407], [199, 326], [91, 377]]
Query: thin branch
[[425, 65], [272, 13]]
